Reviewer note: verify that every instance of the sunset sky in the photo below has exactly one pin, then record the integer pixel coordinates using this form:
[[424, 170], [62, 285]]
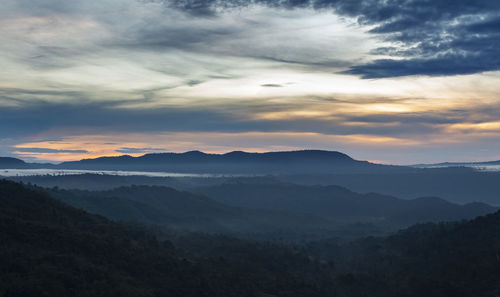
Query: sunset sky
[[392, 81]]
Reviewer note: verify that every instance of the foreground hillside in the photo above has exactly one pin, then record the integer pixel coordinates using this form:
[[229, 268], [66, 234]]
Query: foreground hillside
[[447, 259], [50, 249]]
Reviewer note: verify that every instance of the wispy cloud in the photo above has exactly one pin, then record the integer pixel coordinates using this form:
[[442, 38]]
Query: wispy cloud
[[137, 150], [47, 150]]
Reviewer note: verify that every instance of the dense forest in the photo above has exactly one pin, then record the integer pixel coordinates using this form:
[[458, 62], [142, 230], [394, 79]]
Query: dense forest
[[266, 209], [48, 248]]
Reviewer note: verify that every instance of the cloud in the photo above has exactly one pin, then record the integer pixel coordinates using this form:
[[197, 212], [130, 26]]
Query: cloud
[[434, 38], [135, 150], [47, 150], [390, 149], [383, 117], [442, 65], [271, 85]]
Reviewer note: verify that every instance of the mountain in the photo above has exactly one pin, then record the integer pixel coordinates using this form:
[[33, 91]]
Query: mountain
[[267, 209], [439, 260], [455, 184], [7, 162], [164, 206], [341, 203], [14, 163], [236, 162], [457, 164], [50, 249]]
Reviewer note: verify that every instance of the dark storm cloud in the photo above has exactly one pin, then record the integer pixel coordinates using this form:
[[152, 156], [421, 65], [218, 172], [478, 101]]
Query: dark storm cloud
[[442, 65], [436, 38]]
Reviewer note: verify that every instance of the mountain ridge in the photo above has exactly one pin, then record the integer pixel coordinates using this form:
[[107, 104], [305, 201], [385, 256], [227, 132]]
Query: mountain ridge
[[235, 162]]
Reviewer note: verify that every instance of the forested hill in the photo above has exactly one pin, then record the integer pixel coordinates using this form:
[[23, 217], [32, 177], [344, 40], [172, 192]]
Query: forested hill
[[441, 260], [268, 209], [340, 203], [50, 249]]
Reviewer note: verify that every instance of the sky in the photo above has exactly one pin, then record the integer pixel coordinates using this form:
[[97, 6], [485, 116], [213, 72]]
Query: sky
[[390, 81]]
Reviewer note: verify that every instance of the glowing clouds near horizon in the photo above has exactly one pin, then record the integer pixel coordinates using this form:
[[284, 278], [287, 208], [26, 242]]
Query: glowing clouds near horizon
[[144, 76], [67, 149]]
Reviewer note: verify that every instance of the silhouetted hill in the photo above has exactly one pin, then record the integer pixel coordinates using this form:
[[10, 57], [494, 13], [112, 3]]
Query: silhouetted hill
[[232, 163], [341, 203], [14, 163], [7, 162]]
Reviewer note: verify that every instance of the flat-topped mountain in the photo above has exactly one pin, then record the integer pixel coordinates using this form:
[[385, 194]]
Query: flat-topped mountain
[[236, 162]]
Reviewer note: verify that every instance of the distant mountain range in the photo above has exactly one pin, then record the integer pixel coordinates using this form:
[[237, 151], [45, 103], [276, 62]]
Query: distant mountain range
[[164, 206], [51, 249], [236, 162], [340, 203], [458, 164], [267, 208], [458, 184]]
